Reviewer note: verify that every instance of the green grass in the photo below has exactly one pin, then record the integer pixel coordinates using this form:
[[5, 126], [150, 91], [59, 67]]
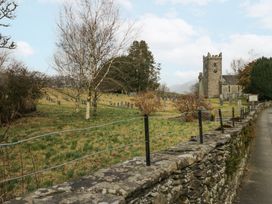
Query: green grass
[[115, 142]]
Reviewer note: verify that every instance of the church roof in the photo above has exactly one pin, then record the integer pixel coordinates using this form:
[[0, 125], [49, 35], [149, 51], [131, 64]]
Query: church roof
[[229, 79]]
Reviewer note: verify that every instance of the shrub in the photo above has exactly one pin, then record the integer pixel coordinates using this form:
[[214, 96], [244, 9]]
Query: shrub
[[147, 102], [19, 90], [189, 104]]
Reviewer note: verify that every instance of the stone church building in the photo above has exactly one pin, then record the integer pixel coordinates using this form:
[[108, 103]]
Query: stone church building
[[212, 84]]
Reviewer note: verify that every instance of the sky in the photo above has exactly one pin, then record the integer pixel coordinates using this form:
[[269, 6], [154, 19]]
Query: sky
[[178, 32]]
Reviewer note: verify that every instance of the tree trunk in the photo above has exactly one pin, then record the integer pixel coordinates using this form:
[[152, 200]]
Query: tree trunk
[[95, 103], [88, 109], [77, 103], [88, 105]]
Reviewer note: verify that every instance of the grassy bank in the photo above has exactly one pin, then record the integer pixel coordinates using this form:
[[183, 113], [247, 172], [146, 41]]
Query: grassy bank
[[80, 147]]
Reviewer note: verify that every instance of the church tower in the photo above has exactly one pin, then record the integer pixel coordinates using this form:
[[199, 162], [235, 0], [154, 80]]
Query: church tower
[[212, 72]]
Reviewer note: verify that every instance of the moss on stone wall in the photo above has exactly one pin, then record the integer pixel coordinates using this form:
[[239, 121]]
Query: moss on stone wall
[[239, 150]]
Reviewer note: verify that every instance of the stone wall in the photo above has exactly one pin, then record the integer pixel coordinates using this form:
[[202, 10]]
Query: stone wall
[[187, 173], [231, 91]]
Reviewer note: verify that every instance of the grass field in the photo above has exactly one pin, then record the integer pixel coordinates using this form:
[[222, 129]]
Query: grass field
[[114, 135]]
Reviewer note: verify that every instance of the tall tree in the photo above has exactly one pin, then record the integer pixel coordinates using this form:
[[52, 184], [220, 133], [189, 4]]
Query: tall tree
[[244, 76], [144, 72], [7, 11], [237, 65], [261, 76], [91, 35], [134, 72], [256, 78], [118, 78]]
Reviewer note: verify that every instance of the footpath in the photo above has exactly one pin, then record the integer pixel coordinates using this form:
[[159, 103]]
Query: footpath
[[257, 185]]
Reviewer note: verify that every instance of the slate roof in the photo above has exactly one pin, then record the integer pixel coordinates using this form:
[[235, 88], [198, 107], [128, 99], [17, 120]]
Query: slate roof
[[229, 79]]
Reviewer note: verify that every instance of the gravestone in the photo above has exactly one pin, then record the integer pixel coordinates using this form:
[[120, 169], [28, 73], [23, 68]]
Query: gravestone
[[221, 100]]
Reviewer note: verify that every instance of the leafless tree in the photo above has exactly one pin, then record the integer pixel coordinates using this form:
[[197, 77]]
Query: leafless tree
[[91, 35], [237, 64], [7, 11], [163, 88]]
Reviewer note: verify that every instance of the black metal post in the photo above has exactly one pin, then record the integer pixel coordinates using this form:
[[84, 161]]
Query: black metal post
[[200, 126], [221, 121], [233, 115], [147, 142]]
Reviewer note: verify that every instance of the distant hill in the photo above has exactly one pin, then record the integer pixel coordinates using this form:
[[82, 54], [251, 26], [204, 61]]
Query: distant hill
[[183, 88]]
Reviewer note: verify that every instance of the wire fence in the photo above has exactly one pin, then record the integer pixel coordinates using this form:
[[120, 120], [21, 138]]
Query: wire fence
[[52, 154]]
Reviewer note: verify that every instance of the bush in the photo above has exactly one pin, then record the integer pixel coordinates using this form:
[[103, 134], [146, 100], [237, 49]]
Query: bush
[[19, 90], [147, 102], [189, 104]]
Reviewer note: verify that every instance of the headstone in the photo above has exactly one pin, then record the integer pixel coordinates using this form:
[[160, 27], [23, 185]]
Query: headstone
[[221, 100], [239, 103]]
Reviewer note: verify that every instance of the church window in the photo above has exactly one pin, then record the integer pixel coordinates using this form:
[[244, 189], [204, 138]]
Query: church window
[[229, 88], [215, 67]]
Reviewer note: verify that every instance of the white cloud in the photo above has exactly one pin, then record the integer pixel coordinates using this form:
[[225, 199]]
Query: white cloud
[[23, 49], [179, 46], [247, 46], [262, 10], [127, 4], [185, 75], [187, 2], [164, 31], [55, 1]]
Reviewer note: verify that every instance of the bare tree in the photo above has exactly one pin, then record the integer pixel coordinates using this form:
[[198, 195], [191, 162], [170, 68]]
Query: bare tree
[[91, 36], [7, 9], [237, 65], [147, 102], [188, 104]]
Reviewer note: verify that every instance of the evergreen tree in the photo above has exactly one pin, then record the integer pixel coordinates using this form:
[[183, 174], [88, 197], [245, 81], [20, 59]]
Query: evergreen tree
[[117, 80], [144, 72], [261, 77], [256, 78], [134, 72]]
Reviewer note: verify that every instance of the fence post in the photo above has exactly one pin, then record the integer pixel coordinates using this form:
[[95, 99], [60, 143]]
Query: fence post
[[221, 121], [147, 141], [233, 115], [200, 126]]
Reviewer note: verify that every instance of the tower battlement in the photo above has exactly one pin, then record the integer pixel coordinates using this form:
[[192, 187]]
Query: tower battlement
[[209, 56]]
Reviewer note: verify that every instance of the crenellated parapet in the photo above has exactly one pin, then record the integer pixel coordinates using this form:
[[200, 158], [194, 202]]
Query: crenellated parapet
[[209, 56]]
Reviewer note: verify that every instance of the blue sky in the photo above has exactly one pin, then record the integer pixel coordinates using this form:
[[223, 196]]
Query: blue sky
[[179, 32]]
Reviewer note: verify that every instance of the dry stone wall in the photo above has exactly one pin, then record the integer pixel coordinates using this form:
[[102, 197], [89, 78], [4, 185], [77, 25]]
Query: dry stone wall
[[187, 173]]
